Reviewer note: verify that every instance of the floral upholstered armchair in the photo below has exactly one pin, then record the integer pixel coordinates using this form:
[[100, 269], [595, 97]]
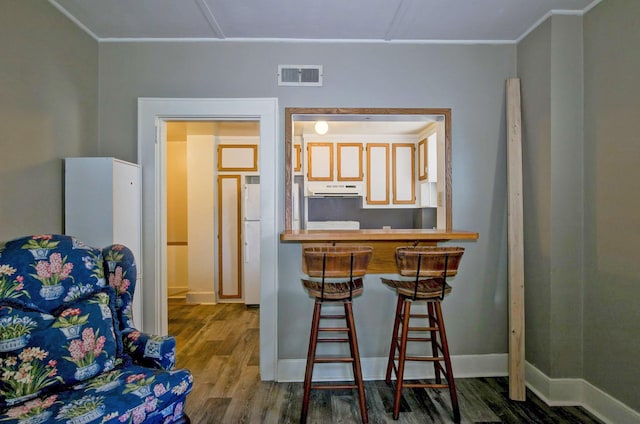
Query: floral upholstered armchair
[[68, 350]]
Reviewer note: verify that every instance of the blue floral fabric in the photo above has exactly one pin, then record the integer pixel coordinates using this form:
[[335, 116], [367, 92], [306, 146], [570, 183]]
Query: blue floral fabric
[[144, 349], [67, 339], [55, 350], [131, 395]]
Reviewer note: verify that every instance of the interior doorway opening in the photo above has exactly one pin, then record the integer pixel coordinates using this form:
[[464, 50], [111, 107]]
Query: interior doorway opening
[[213, 211], [152, 116]]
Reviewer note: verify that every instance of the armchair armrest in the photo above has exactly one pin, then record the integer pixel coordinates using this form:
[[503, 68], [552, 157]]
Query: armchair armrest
[[150, 350]]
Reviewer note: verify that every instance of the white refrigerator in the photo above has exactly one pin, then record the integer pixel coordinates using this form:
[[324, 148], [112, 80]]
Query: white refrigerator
[[251, 252]]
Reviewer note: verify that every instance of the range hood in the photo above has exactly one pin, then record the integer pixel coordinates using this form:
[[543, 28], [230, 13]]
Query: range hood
[[334, 189]]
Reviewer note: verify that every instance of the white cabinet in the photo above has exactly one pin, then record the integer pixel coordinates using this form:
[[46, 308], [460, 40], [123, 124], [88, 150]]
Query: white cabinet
[[320, 161], [404, 183], [349, 161], [377, 174], [229, 237], [102, 207]]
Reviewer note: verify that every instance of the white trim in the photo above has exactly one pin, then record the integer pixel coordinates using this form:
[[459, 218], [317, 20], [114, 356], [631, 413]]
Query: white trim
[[208, 297], [152, 114], [213, 24], [576, 391], [73, 19], [556, 12], [465, 366], [296, 40], [591, 6]]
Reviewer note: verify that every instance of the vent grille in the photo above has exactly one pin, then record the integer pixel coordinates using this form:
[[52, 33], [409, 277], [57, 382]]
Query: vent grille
[[300, 75]]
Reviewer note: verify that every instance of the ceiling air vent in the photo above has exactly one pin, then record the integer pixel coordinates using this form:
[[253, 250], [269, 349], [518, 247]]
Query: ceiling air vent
[[300, 75]]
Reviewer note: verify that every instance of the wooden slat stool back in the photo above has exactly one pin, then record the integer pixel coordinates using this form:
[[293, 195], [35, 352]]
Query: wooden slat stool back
[[430, 267], [324, 265]]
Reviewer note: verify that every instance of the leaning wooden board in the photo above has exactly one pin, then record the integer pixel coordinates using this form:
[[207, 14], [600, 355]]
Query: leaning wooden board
[[516, 242]]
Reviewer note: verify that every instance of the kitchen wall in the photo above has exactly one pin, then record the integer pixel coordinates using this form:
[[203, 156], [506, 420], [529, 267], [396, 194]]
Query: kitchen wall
[[48, 111], [469, 79]]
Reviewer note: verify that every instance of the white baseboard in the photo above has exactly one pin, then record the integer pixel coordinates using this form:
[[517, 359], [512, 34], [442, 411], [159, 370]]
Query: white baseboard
[[492, 365], [177, 290], [579, 392], [201, 297]]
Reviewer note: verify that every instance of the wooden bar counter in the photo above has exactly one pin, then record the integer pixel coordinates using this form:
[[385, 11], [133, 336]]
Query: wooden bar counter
[[384, 242]]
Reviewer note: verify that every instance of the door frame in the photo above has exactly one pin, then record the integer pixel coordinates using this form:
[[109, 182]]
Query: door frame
[[152, 116]]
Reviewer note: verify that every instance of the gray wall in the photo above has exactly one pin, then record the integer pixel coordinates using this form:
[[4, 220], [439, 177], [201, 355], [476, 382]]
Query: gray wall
[[581, 103], [48, 110], [468, 79], [612, 204], [550, 68], [534, 71]]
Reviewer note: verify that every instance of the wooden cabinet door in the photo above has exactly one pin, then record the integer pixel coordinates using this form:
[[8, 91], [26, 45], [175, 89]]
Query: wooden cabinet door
[[422, 159], [297, 158], [404, 174], [320, 161], [349, 161], [377, 174], [229, 246]]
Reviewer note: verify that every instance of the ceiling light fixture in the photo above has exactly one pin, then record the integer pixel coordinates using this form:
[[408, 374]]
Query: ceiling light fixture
[[321, 127]]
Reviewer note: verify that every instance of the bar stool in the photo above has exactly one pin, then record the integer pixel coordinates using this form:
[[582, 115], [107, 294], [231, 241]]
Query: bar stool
[[333, 262], [430, 267]]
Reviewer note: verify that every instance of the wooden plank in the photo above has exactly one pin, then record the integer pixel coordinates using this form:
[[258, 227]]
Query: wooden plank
[[383, 259], [516, 243]]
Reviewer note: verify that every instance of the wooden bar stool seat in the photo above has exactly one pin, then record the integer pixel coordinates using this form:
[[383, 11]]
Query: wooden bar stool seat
[[327, 265], [429, 267]]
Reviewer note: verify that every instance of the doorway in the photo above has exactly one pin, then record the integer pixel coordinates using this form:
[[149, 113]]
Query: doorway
[[213, 212], [153, 113]]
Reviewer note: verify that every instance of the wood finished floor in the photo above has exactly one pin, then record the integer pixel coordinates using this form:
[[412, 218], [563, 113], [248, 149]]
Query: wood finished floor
[[219, 344]]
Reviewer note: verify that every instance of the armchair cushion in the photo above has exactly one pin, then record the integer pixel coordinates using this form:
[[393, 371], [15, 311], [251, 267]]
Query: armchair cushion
[[42, 352]]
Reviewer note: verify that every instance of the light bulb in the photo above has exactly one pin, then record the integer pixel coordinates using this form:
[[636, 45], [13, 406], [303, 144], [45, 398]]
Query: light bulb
[[321, 127]]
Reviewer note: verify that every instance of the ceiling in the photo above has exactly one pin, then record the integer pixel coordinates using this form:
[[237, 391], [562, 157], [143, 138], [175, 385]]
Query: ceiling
[[469, 21]]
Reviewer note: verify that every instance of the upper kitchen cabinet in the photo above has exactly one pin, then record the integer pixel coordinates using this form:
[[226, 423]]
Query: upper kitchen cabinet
[[349, 161], [404, 178], [396, 167], [320, 161], [377, 174]]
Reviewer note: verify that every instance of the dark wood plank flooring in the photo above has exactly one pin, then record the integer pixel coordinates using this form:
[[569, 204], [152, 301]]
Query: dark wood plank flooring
[[219, 344]]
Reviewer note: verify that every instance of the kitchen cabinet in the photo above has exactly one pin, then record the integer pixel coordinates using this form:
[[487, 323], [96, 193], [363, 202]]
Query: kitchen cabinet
[[102, 205], [422, 159], [403, 160], [319, 161], [349, 161], [237, 157], [229, 237], [377, 174], [297, 158]]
